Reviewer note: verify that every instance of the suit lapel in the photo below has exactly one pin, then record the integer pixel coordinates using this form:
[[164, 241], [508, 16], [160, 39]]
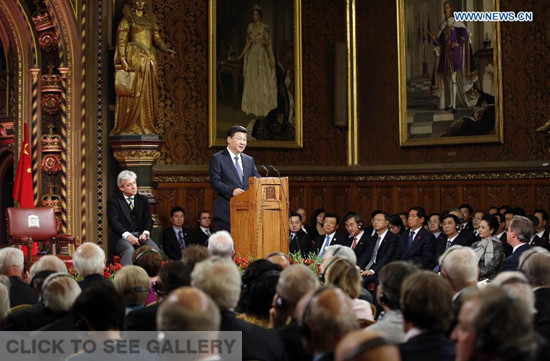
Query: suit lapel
[[124, 207], [415, 242]]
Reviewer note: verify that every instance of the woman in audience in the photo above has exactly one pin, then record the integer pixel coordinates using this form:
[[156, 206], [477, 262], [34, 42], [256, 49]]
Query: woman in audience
[[396, 224], [488, 249], [388, 294], [317, 220], [150, 260], [344, 274], [132, 282], [259, 283]]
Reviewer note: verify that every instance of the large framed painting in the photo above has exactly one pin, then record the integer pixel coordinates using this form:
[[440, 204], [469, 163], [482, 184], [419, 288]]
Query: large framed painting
[[256, 71], [450, 74]]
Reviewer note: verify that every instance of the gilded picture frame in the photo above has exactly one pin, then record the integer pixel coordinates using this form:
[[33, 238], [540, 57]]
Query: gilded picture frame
[[448, 94], [255, 65]]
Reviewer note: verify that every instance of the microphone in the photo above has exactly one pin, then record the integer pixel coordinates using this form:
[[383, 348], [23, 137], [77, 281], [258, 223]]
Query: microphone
[[275, 170], [264, 168]]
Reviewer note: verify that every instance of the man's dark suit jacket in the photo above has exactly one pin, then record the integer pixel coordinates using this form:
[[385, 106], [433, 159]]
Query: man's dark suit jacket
[[542, 317], [170, 244], [540, 242], [301, 243], [428, 346], [441, 243], [292, 338], [468, 236], [21, 293], [505, 246], [88, 280], [362, 244], [143, 319], [258, 343], [224, 179], [385, 252], [511, 263], [338, 238], [199, 237], [120, 221], [31, 319], [422, 251]]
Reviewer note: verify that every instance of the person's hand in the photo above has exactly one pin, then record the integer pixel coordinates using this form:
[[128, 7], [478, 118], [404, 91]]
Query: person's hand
[[132, 240], [277, 317], [366, 273], [124, 64], [237, 191], [143, 237]]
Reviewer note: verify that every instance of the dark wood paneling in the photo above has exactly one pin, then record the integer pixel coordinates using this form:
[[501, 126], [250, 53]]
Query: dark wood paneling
[[364, 197]]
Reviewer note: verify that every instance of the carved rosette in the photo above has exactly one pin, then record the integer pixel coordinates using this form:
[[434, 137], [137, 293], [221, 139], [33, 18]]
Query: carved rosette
[[48, 41], [51, 103], [51, 163]]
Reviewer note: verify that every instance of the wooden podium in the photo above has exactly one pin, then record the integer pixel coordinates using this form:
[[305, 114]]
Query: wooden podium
[[259, 217]]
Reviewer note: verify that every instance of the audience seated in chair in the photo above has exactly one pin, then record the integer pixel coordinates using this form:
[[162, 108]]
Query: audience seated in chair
[[89, 262], [4, 300], [366, 346], [220, 244], [132, 283], [150, 259], [12, 265]]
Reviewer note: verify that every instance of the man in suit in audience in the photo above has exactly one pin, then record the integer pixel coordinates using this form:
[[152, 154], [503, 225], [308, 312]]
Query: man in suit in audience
[[12, 265], [535, 240], [468, 212], [452, 236], [130, 219], [417, 245], [220, 279], [331, 236], [310, 230], [535, 265], [299, 241], [203, 232], [175, 238], [229, 171], [294, 282], [541, 231], [366, 345], [501, 234], [518, 235], [359, 239], [426, 303], [467, 234], [379, 251], [327, 315], [171, 276]]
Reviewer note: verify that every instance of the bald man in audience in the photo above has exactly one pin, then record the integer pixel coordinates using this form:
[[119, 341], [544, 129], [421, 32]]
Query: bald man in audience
[[326, 316], [535, 265], [366, 346], [89, 262], [188, 309], [220, 279], [278, 258], [12, 265], [294, 282]]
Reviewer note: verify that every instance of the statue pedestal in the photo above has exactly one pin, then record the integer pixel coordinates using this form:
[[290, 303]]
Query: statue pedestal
[[138, 152]]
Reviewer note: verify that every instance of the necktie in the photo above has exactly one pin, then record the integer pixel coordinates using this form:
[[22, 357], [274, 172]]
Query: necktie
[[374, 253], [131, 202], [181, 241], [290, 238], [354, 243], [448, 243], [239, 170], [411, 237], [324, 248], [207, 232]]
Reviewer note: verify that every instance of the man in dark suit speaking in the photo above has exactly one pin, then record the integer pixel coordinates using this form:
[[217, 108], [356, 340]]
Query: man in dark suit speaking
[[229, 172], [130, 218]]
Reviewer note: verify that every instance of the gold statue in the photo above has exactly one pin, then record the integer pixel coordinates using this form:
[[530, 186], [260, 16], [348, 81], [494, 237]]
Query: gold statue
[[136, 79]]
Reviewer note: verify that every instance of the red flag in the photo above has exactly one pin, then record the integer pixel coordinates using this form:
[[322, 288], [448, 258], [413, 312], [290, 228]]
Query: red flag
[[22, 187]]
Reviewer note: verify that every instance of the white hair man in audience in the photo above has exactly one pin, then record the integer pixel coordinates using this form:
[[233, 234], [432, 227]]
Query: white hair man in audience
[[48, 263], [459, 267], [518, 235], [367, 345], [188, 309], [221, 244], [340, 251], [325, 316], [493, 325], [89, 262], [294, 282], [12, 265], [4, 299], [535, 265], [220, 279], [58, 295]]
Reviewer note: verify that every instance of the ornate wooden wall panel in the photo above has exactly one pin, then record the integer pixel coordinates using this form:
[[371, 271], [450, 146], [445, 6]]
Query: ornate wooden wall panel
[[365, 196]]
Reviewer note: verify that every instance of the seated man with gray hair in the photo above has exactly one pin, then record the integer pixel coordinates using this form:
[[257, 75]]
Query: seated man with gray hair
[[130, 219], [535, 265], [220, 279], [58, 294], [221, 244], [12, 265], [89, 262]]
